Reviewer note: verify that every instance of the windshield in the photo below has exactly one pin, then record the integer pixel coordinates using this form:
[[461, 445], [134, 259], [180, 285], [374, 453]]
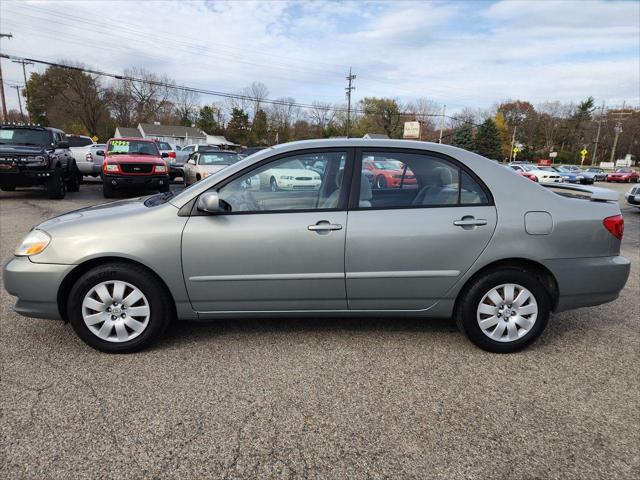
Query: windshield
[[597, 170], [137, 147], [218, 158], [25, 136], [623, 170], [75, 141]]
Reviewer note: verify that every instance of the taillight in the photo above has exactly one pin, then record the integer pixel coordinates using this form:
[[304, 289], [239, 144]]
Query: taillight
[[615, 225], [172, 154]]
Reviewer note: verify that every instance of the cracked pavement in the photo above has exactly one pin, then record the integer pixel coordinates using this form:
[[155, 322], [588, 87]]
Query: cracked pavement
[[339, 398]]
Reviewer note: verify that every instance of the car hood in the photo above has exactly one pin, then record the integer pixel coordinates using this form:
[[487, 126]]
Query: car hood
[[136, 159], [294, 172], [211, 168], [117, 209], [20, 150]]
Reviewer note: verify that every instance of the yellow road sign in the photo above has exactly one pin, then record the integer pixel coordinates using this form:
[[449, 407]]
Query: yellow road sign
[[94, 138], [516, 149], [583, 152]]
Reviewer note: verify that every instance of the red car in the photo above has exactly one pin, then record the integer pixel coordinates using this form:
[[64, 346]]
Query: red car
[[623, 175], [133, 163], [388, 174]]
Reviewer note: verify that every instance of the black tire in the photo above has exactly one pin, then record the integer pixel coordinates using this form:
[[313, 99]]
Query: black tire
[[155, 292], [107, 189], [164, 188], [56, 187], [75, 179], [7, 188], [274, 185], [471, 296], [381, 182]]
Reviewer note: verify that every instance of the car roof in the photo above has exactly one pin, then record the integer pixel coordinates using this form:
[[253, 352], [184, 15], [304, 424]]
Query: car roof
[[148, 140]]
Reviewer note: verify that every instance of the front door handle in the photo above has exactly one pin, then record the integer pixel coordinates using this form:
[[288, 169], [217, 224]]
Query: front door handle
[[469, 222], [324, 226]]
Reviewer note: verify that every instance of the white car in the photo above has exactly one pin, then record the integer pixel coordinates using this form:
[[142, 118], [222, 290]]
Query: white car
[[290, 176], [203, 164], [633, 197], [542, 176]]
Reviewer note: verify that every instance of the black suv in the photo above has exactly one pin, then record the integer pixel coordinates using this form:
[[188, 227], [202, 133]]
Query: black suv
[[33, 155]]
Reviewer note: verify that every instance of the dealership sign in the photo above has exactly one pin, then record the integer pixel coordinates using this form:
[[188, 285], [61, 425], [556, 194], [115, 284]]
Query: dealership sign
[[411, 130]]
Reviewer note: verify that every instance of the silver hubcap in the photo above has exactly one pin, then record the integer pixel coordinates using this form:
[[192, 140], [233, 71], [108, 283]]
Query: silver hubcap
[[116, 311], [507, 312]]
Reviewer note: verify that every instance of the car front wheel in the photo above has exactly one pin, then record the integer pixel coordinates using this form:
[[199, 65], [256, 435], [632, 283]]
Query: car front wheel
[[119, 308], [504, 311]]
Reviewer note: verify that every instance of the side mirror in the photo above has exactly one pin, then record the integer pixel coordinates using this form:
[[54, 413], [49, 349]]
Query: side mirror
[[191, 161], [209, 202], [100, 153], [165, 155], [62, 144]]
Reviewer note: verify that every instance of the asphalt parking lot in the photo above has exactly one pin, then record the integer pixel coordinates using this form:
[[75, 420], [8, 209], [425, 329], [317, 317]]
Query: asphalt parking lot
[[365, 398]]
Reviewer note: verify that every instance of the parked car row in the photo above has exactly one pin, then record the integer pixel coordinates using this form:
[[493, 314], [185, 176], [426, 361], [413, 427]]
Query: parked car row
[[572, 174]]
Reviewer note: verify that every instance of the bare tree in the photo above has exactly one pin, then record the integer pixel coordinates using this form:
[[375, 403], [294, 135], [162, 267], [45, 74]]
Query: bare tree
[[424, 111], [150, 95], [257, 92], [186, 105], [322, 115]]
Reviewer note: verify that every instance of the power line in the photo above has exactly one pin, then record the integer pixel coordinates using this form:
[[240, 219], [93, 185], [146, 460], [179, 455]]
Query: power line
[[202, 91]]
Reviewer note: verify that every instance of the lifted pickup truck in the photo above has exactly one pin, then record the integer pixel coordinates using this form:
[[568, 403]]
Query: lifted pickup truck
[[133, 163], [31, 155]]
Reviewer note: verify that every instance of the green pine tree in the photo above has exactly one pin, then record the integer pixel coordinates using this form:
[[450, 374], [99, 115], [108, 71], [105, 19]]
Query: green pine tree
[[237, 129], [463, 137], [259, 129], [488, 140]]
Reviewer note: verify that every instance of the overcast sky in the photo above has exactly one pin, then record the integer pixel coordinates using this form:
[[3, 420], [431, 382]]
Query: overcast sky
[[458, 53]]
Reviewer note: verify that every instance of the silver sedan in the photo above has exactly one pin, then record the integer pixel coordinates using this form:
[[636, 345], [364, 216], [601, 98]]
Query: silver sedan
[[465, 238]]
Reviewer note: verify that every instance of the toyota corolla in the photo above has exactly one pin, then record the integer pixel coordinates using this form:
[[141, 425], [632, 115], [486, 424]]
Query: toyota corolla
[[493, 250]]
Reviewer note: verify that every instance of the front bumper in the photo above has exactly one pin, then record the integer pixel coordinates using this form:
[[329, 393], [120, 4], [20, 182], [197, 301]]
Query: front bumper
[[36, 286], [137, 181], [584, 282], [25, 178]]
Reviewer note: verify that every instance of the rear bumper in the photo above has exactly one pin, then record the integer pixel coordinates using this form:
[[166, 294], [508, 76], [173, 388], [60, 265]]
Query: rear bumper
[[584, 282], [36, 286], [89, 168], [137, 181]]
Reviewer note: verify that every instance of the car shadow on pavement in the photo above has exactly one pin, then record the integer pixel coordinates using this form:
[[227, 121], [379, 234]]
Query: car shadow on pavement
[[188, 331]]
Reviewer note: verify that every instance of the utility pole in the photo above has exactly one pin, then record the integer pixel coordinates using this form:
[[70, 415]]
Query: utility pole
[[349, 89], [594, 158], [17, 87], [513, 142], [24, 74], [444, 108], [617, 130], [4, 100]]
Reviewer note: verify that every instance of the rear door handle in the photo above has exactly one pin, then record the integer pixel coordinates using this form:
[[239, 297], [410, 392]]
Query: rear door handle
[[470, 222], [324, 226]]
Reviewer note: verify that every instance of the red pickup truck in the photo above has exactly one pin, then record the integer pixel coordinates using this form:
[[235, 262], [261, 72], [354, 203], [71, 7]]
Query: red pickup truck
[[133, 163]]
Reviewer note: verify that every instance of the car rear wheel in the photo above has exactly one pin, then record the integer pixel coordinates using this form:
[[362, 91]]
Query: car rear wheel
[[164, 188], [75, 179], [504, 311], [56, 188], [274, 185], [119, 308]]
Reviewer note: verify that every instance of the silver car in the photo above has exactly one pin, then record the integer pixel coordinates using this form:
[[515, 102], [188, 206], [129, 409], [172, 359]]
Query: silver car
[[493, 250], [80, 145]]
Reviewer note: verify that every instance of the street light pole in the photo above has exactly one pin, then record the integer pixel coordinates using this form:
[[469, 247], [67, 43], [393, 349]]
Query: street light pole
[[17, 87], [444, 108], [4, 100], [24, 74], [594, 159]]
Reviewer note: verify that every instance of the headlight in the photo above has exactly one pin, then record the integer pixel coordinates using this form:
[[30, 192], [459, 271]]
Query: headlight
[[111, 167], [37, 160], [161, 169], [286, 177], [35, 242]]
